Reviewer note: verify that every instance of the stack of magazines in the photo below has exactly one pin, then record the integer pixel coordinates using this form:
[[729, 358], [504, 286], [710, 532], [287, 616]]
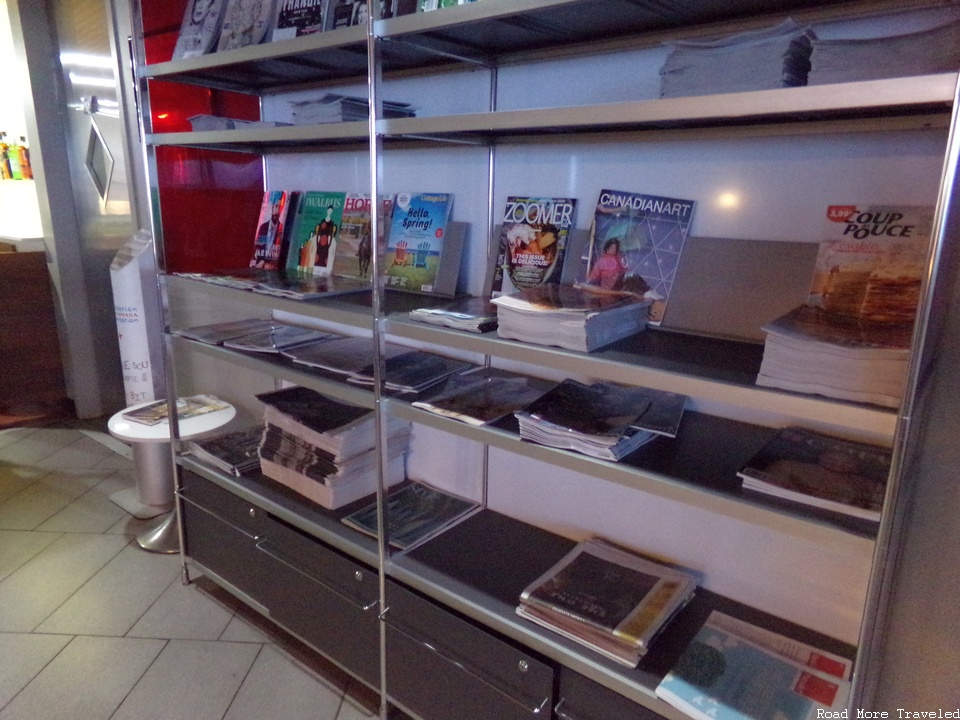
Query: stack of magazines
[[569, 317], [325, 450], [607, 599], [749, 672], [332, 107], [755, 60], [471, 314], [603, 420], [236, 453]]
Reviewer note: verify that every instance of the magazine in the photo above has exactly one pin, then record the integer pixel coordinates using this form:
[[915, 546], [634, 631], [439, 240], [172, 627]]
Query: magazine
[[295, 18], [603, 420], [822, 471], [315, 231], [156, 412], [216, 333], [334, 108], [414, 514], [278, 338], [353, 253], [418, 256], [245, 22], [268, 243], [635, 246], [234, 453], [872, 261], [483, 395], [344, 356], [723, 676], [200, 28], [533, 241], [472, 314], [280, 283], [607, 598], [411, 371]]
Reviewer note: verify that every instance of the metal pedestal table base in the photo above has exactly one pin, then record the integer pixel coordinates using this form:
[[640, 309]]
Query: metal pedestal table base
[[162, 536]]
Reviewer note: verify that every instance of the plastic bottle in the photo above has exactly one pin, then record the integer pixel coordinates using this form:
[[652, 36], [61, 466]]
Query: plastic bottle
[[13, 159], [26, 169], [5, 173]]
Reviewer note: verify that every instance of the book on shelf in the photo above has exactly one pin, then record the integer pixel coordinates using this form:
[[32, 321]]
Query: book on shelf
[[421, 254], [334, 108], [268, 243], [217, 333], [569, 317], [532, 243], [412, 371], [315, 230], [930, 50], [295, 18], [471, 314], [608, 599], [345, 356], [235, 453], [278, 338], [483, 395], [156, 412], [723, 675], [199, 29], [820, 470], [635, 246], [810, 350], [414, 513], [603, 420], [772, 57], [245, 22]]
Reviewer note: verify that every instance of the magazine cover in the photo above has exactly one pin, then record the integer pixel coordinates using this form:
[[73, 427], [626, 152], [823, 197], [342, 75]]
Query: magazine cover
[[200, 28], [353, 250], [298, 17], [485, 394], [635, 245], [315, 232], [268, 243], [872, 261], [245, 22], [415, 243], [533, 241]]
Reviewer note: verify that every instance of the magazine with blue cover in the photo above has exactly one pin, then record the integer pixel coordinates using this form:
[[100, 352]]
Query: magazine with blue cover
[[421, 255]]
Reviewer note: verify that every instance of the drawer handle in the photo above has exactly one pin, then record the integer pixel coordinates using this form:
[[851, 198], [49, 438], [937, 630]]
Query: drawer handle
[[220, 517], [534, 710], [562, 713], [283, 561]]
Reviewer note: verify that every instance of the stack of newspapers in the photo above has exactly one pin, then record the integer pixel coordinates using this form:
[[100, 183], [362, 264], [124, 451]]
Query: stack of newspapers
[[325, 450]]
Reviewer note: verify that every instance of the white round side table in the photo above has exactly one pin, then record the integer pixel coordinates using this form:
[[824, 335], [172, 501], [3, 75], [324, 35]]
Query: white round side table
[[153, 463]]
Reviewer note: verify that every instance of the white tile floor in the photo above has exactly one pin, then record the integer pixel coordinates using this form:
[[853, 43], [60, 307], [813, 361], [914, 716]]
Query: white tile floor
[[94, 628]]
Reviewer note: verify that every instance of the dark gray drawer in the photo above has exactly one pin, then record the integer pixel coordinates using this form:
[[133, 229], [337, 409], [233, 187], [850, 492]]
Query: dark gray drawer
[[581, 698], [223, 504], [329, 600], [440, 666]]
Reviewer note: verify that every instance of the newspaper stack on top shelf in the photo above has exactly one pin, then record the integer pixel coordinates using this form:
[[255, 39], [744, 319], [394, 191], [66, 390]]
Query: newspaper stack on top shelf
[[332, 107], [755, 60]]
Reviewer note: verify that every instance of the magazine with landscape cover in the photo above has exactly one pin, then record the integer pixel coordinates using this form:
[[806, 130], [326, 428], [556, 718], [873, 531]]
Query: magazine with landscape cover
[[200, 28], [603, 420], [422, 255], [216, 333], [607, 598], [483, 395], [295, 18], [315, 231], [271, 228], [471, 314], [245, 22], [156, 412], [635, 246], [532, 243], [569, 317], [414, 514], [234, 453], [872, 261], [814, 469], [722, 675]]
